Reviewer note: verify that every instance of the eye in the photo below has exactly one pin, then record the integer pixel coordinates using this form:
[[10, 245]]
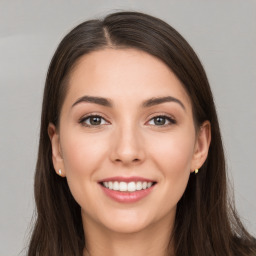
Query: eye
[[161, 121], [93, 120]]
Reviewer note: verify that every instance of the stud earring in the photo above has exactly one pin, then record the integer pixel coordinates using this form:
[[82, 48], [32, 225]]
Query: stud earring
[[59, 172], [196, 171]]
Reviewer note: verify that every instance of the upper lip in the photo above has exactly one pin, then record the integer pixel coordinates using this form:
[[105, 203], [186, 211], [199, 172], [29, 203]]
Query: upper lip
[[126, 179]]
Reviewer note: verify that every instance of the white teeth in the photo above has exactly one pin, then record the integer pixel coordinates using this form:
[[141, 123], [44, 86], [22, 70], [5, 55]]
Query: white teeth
[[127, 186], [149, 184], [123, 186], [139, 185], [116, 185], [144, 185], [131, 186]]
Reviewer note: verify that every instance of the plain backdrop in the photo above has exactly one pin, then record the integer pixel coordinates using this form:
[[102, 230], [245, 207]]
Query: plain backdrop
[[223, 33]]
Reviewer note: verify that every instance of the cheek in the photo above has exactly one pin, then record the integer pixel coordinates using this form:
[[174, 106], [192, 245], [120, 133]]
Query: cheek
[[173, 152], [82, 153], [83, 156]]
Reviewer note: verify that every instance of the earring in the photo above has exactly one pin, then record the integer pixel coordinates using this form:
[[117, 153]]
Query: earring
[[59, 172], [196, 171]]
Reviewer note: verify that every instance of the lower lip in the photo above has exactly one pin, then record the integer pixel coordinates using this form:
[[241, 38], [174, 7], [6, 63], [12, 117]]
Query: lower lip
[[127, 197]]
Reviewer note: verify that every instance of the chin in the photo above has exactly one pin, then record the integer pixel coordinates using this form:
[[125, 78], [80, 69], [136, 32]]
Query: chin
[[128, 221], [126, 227]]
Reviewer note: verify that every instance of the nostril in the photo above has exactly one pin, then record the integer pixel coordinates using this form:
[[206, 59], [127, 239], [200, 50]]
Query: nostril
[[134, 160]]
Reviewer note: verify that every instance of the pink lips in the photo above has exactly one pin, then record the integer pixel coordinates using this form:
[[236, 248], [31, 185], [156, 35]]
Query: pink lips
[[126, 197]]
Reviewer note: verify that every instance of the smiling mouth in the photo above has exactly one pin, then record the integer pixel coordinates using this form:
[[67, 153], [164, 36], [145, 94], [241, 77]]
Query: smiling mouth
[[131, 186]]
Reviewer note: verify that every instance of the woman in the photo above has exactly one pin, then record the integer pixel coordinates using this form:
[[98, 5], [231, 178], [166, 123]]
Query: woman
[[130, 156]]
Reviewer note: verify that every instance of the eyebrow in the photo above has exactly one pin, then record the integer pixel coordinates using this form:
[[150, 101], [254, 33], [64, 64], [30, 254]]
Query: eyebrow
[[159, 100], [148, 103], [96, 100]]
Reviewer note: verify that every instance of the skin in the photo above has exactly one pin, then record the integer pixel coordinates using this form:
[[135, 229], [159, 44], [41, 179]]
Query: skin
[[127, 142]]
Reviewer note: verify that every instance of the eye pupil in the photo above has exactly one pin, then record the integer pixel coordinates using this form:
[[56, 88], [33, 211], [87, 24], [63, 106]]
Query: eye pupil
[[159, 120], [95, 120]]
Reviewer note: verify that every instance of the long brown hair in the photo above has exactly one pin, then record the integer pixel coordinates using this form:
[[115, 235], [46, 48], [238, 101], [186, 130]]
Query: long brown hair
[[206, 222]]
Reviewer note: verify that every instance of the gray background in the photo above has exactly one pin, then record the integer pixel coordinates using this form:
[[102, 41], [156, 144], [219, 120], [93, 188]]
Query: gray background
[[223, 33]]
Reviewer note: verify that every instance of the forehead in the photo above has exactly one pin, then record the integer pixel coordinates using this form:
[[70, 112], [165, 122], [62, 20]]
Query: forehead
[[124, 75]]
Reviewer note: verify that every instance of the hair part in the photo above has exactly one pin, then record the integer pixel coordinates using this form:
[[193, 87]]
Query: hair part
[[206, 223]]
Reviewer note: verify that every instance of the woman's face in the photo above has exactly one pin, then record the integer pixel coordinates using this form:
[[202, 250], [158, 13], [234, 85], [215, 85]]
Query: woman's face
[[126, 142]]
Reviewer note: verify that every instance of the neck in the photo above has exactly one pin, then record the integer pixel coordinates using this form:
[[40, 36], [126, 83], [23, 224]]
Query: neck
[[153, 240]]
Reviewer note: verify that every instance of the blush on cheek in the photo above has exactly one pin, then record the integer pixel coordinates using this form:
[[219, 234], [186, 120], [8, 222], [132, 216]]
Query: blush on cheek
[[173, 154], [83, 154]]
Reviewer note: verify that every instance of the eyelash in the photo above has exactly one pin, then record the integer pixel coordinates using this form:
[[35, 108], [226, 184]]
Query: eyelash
[[85, 118], [165, 117]]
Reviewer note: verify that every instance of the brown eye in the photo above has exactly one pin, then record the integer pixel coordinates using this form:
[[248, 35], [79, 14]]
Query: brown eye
[[159, 120], [93, 121]]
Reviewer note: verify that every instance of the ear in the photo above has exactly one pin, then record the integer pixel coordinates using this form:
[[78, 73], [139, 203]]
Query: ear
[[57, 159], [202, 145]]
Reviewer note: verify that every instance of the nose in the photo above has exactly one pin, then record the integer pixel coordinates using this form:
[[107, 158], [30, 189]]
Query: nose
[[127, 146]]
